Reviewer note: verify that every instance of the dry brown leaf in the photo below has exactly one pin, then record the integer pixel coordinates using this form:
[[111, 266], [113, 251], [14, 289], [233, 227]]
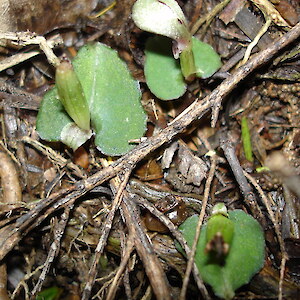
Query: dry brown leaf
[[191, 167], [42, 16]]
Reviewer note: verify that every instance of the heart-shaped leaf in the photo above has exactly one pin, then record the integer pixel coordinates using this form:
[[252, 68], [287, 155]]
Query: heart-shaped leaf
[[245, 257], [163, 72]]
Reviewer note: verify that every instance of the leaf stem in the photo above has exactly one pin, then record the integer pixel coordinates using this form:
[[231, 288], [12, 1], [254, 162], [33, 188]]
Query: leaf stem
[[246, 138], [187, 63]]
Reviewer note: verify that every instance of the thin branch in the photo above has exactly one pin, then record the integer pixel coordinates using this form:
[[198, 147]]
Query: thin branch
[[59, 230], [239, 176], [106, 227], [29, 38], [144, 247], [175, 232], [277, 230], [127, 252], [198, 230]]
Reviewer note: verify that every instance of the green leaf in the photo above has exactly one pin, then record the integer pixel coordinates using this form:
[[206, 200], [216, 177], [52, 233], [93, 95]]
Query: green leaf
[[52, 117], [245, 257], [51, 293], [246, 138], [54, 124], [71, 95], [206, 59], [114, 97], [162, 71]]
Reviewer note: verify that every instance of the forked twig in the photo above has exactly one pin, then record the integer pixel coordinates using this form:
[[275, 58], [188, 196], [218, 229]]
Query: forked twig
[[106, 227], [59, 230], [125, 258]]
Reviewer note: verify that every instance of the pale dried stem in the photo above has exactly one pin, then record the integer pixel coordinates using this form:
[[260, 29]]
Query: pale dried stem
[[198, 230], [277, 230], [114, 285], [29, 38]]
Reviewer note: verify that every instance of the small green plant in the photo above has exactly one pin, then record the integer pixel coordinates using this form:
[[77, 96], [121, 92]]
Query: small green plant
[[71, 95], [230, 249], [52, 293], [98, 93], [166, 77], [246, 138]]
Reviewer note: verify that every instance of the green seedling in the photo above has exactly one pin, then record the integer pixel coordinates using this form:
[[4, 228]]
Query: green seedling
[[246, 138], [196, 58], [112, 97], [71, 95], [52, 293], [226, 268], [219, 234]]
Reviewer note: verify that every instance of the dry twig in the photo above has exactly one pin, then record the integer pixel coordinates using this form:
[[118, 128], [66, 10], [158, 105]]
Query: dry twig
[[59, 230], [198, 230], [106, 227], [176, 234], [127, 252], [238, 172], [153, 267], [277, 230]]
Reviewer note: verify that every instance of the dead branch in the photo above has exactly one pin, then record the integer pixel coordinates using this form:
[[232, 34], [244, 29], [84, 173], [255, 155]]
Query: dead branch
[[153, 268], [106, 227], [125, 258], [176, 234], [198, 229], [59, 230]]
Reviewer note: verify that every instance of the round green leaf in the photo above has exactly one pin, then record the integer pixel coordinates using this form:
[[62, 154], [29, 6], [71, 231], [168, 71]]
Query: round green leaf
[[245, 257], [162, 71]]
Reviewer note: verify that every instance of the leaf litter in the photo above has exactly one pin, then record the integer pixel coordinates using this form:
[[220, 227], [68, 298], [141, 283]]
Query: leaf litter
[[58, 236]]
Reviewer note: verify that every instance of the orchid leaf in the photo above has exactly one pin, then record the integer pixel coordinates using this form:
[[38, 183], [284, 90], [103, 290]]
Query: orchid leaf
[[114, 97], [245, 257], [52, 293], [162, 71], [207, 60], [53, 123]]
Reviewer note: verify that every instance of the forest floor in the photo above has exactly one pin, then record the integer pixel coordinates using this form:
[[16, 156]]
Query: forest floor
[[80, 224]]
